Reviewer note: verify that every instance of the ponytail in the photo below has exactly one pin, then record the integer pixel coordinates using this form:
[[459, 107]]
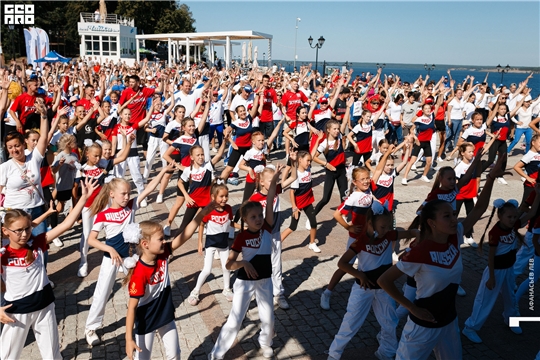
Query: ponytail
[[437, 181]]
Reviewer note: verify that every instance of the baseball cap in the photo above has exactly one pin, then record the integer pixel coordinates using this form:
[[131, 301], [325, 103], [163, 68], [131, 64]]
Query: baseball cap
[[73, 98], [446, 77], [466, 122], [215, 92], [248, 88], [528, 98], [323, 100], [205, 78]]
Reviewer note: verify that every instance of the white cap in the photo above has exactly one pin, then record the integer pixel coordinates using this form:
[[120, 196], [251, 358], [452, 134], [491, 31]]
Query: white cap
[[528, 98]]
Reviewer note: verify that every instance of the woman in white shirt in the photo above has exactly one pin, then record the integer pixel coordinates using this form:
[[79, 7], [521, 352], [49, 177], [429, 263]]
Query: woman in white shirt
[[20, 176], [524, 126], [394, 120]]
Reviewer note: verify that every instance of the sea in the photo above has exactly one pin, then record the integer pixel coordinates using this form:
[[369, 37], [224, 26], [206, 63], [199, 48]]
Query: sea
[[411, 72]]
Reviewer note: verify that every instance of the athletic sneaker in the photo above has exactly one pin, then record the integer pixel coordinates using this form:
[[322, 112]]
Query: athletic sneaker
[[267, 351], [193, 299], [413, 167], [440, 159], [381, 356], [313, 247], [501, 180], [281, 302], [425, 179], [228, 294], [233, 181], [159, 199], [325, 301], [471, 335], [58, 242], [461, 291], [167, 230], [92, 338], [308, 225], [143, 203], [403, 181], [470, 241], [83, 271]]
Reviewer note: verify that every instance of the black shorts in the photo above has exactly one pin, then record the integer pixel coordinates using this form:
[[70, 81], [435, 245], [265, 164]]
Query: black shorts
[[440, 125], [186, 186], [425, 145], [142, 139], [64, 195], [235, 155]]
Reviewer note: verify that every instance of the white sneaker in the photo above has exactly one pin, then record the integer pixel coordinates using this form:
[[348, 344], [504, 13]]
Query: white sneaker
[[144, 203], [313, 247], [159, 199], [403, 181], [308, 225], [395, 257], [325, 301], [425, 179], [281, 302], [413, 167], [471, 335], [83, 271], [58, 242], [470, 241], [461, 291], [193, 299], [440, 159], [267, 351], [92, 338], [167, 230], [228, 294], [501, 180]]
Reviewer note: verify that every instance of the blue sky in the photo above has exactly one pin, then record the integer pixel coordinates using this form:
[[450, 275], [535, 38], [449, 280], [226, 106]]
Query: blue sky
[[458, 33]]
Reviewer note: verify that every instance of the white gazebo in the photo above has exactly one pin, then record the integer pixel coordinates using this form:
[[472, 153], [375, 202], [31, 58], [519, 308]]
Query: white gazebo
[[209, 39]]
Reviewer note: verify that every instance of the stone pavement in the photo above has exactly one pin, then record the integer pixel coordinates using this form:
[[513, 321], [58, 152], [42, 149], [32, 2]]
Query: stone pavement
[[305, 331]]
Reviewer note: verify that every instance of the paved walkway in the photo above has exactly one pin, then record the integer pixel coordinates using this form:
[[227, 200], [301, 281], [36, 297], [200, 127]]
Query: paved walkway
[[305, 331]]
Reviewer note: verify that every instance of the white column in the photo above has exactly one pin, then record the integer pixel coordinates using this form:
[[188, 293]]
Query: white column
[[269, 63], [228, 53], [169, 52], [187, 53], [199, 52], [178, 52], [212, 52]]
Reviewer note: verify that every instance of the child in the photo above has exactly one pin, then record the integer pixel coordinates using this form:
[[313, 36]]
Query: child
[[196, 181], [150, 306], [363, 146], [302, 200], [261, 196], [217, 224], [436, 265], [179, 153], [528, 167], [65, 167], [373, 249], [95, 168], [112, 219], [133, 160], [29, 298], [498, 276], [356, 204], [254, 275], [375, 157]]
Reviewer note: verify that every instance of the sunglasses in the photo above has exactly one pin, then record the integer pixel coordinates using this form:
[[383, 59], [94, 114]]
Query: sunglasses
[[375, 103]]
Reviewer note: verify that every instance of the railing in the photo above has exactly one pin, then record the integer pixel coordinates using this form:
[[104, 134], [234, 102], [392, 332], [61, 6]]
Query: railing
[[109, 19]]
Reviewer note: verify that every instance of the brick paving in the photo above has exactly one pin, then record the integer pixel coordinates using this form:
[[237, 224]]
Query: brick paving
[[304, 331]]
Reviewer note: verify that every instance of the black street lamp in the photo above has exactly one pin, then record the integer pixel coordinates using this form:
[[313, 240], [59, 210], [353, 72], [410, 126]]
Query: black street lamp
[[503, 70], [317, 46], [429, 68], [381, 66]]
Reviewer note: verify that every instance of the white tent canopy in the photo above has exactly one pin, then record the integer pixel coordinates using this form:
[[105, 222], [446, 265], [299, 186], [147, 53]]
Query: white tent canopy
[[207, 39]]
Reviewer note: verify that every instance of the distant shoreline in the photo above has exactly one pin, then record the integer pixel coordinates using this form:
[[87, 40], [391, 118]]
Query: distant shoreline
[[515, 71]]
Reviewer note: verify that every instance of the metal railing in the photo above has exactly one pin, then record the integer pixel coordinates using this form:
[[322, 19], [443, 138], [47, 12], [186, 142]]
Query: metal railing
[[109, 19]]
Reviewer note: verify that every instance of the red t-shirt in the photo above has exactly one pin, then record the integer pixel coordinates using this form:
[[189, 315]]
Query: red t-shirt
[[24, 106], [270, 97], [138, 105], [293, 100]]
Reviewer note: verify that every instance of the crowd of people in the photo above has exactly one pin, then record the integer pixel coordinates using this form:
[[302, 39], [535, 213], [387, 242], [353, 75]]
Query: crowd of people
[[72, 131]]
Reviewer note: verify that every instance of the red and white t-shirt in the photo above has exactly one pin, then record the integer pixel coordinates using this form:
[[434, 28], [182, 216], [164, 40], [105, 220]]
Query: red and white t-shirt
[[357, 204], [218, 223], [531, 160], [256, 247], [469, 190], [138, 105], [292, 101], [303, 189], [200, 182]]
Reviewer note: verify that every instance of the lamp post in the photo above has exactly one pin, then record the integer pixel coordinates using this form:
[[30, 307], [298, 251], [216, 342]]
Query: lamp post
[[264, 57], [317, 46], [381, 66], [295, 36], [429, 68], [503, 70]]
